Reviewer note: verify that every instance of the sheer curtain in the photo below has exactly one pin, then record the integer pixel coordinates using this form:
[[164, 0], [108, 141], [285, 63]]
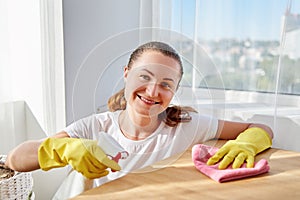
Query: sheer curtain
[[8, 77], [31, 71], [6, 110], [53, 65]]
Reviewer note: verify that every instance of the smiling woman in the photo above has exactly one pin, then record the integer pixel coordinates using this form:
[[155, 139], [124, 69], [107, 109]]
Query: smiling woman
[[145, 125]]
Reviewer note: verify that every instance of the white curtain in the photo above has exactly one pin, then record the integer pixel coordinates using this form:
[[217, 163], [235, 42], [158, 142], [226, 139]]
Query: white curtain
[[53, 65], [31, 70], [7, 132]]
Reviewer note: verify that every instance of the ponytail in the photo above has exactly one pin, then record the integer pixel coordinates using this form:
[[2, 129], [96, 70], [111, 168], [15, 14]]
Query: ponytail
[[177, 114], [117, 101]]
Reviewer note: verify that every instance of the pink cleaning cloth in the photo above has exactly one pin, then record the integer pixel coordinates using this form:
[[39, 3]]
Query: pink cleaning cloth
[[201, 153]]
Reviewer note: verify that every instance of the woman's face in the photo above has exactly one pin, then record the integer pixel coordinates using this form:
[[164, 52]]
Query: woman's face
[[151, 83]]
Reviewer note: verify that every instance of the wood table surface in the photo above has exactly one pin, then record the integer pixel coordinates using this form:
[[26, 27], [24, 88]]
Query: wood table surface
[[181, 180]]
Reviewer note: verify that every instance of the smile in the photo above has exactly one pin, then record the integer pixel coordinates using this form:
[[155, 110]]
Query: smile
[[147, 101]]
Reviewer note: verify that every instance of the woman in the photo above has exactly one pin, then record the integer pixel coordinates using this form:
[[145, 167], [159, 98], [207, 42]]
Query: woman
[[143, 122]]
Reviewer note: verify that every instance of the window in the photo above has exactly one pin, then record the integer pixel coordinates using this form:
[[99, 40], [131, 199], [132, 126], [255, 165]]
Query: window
[[246, 45], [241, 59]]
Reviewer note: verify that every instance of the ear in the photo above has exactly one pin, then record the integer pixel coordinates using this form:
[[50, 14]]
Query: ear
[[126, 69]]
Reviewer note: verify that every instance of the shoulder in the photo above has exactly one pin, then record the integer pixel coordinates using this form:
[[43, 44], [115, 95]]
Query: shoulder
[[201, 124], [198, 118], [108, 117], [87, 126]]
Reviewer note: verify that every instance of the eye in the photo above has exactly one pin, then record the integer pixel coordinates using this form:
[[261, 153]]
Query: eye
[[145, 77], [166, 85]]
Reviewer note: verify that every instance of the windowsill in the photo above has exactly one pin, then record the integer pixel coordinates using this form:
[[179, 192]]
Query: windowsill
[[263, 103], [250, 107]]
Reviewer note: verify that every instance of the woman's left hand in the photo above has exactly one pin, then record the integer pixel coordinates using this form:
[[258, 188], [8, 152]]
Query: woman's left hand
[[244, 148]]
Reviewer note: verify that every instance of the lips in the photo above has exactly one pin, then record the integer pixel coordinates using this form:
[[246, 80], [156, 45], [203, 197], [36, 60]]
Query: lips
[[147, 101]]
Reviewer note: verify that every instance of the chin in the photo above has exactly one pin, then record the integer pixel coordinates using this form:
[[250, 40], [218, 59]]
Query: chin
[[152, 112], [147, 113]]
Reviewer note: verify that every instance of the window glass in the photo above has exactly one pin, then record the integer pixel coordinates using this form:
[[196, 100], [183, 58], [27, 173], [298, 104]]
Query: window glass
[[252, 45]]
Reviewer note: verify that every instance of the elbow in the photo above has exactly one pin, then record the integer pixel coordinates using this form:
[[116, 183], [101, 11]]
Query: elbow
[[21, 162], [11, 161], [18, 164]]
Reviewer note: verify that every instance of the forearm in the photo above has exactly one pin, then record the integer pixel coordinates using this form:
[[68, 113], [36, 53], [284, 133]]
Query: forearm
[[24, 157], [230, 130]]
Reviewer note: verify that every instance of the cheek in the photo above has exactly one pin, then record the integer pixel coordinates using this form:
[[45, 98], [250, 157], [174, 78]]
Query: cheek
[[130, 87], [168, 96]]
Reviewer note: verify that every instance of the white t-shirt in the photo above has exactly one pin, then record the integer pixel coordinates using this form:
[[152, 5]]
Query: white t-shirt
[[166, 141]]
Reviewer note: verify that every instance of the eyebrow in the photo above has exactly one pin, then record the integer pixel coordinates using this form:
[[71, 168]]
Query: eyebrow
[[167, 79]]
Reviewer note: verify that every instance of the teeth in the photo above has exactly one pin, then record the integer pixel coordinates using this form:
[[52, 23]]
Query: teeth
[[147, 101]]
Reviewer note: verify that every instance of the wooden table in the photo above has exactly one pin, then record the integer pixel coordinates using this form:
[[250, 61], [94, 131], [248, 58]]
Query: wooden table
[[181, 180]]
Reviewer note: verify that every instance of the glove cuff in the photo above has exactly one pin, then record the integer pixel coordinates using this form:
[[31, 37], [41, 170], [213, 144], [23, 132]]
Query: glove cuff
[[47, 156], [258, 137]]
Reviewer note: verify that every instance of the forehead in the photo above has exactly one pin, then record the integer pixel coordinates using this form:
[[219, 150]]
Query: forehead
[[154, 59]]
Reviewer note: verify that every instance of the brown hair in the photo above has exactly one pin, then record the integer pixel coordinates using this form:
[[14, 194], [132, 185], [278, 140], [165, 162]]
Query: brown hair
[[173, 114]]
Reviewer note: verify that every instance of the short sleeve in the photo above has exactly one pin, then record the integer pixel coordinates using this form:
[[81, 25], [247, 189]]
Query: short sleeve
[[83, 128], [201, 128]]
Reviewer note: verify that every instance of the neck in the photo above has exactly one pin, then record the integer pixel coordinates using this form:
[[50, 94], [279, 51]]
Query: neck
[[137, 127]]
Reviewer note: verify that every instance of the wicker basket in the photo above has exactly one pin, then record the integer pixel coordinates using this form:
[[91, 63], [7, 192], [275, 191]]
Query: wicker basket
[[17, 187]]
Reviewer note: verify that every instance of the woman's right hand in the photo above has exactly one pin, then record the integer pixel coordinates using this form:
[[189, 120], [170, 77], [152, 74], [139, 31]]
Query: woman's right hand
[[84, 155]]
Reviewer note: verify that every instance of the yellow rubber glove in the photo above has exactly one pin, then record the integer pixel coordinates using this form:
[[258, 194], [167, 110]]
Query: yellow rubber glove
[[249, 143], [84, 155]]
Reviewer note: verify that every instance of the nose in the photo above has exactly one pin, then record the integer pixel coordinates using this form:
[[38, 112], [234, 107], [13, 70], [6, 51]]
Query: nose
[[152, 89]]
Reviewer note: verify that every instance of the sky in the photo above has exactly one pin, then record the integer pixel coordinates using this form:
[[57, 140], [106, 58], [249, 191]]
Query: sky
[[254, 19]]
